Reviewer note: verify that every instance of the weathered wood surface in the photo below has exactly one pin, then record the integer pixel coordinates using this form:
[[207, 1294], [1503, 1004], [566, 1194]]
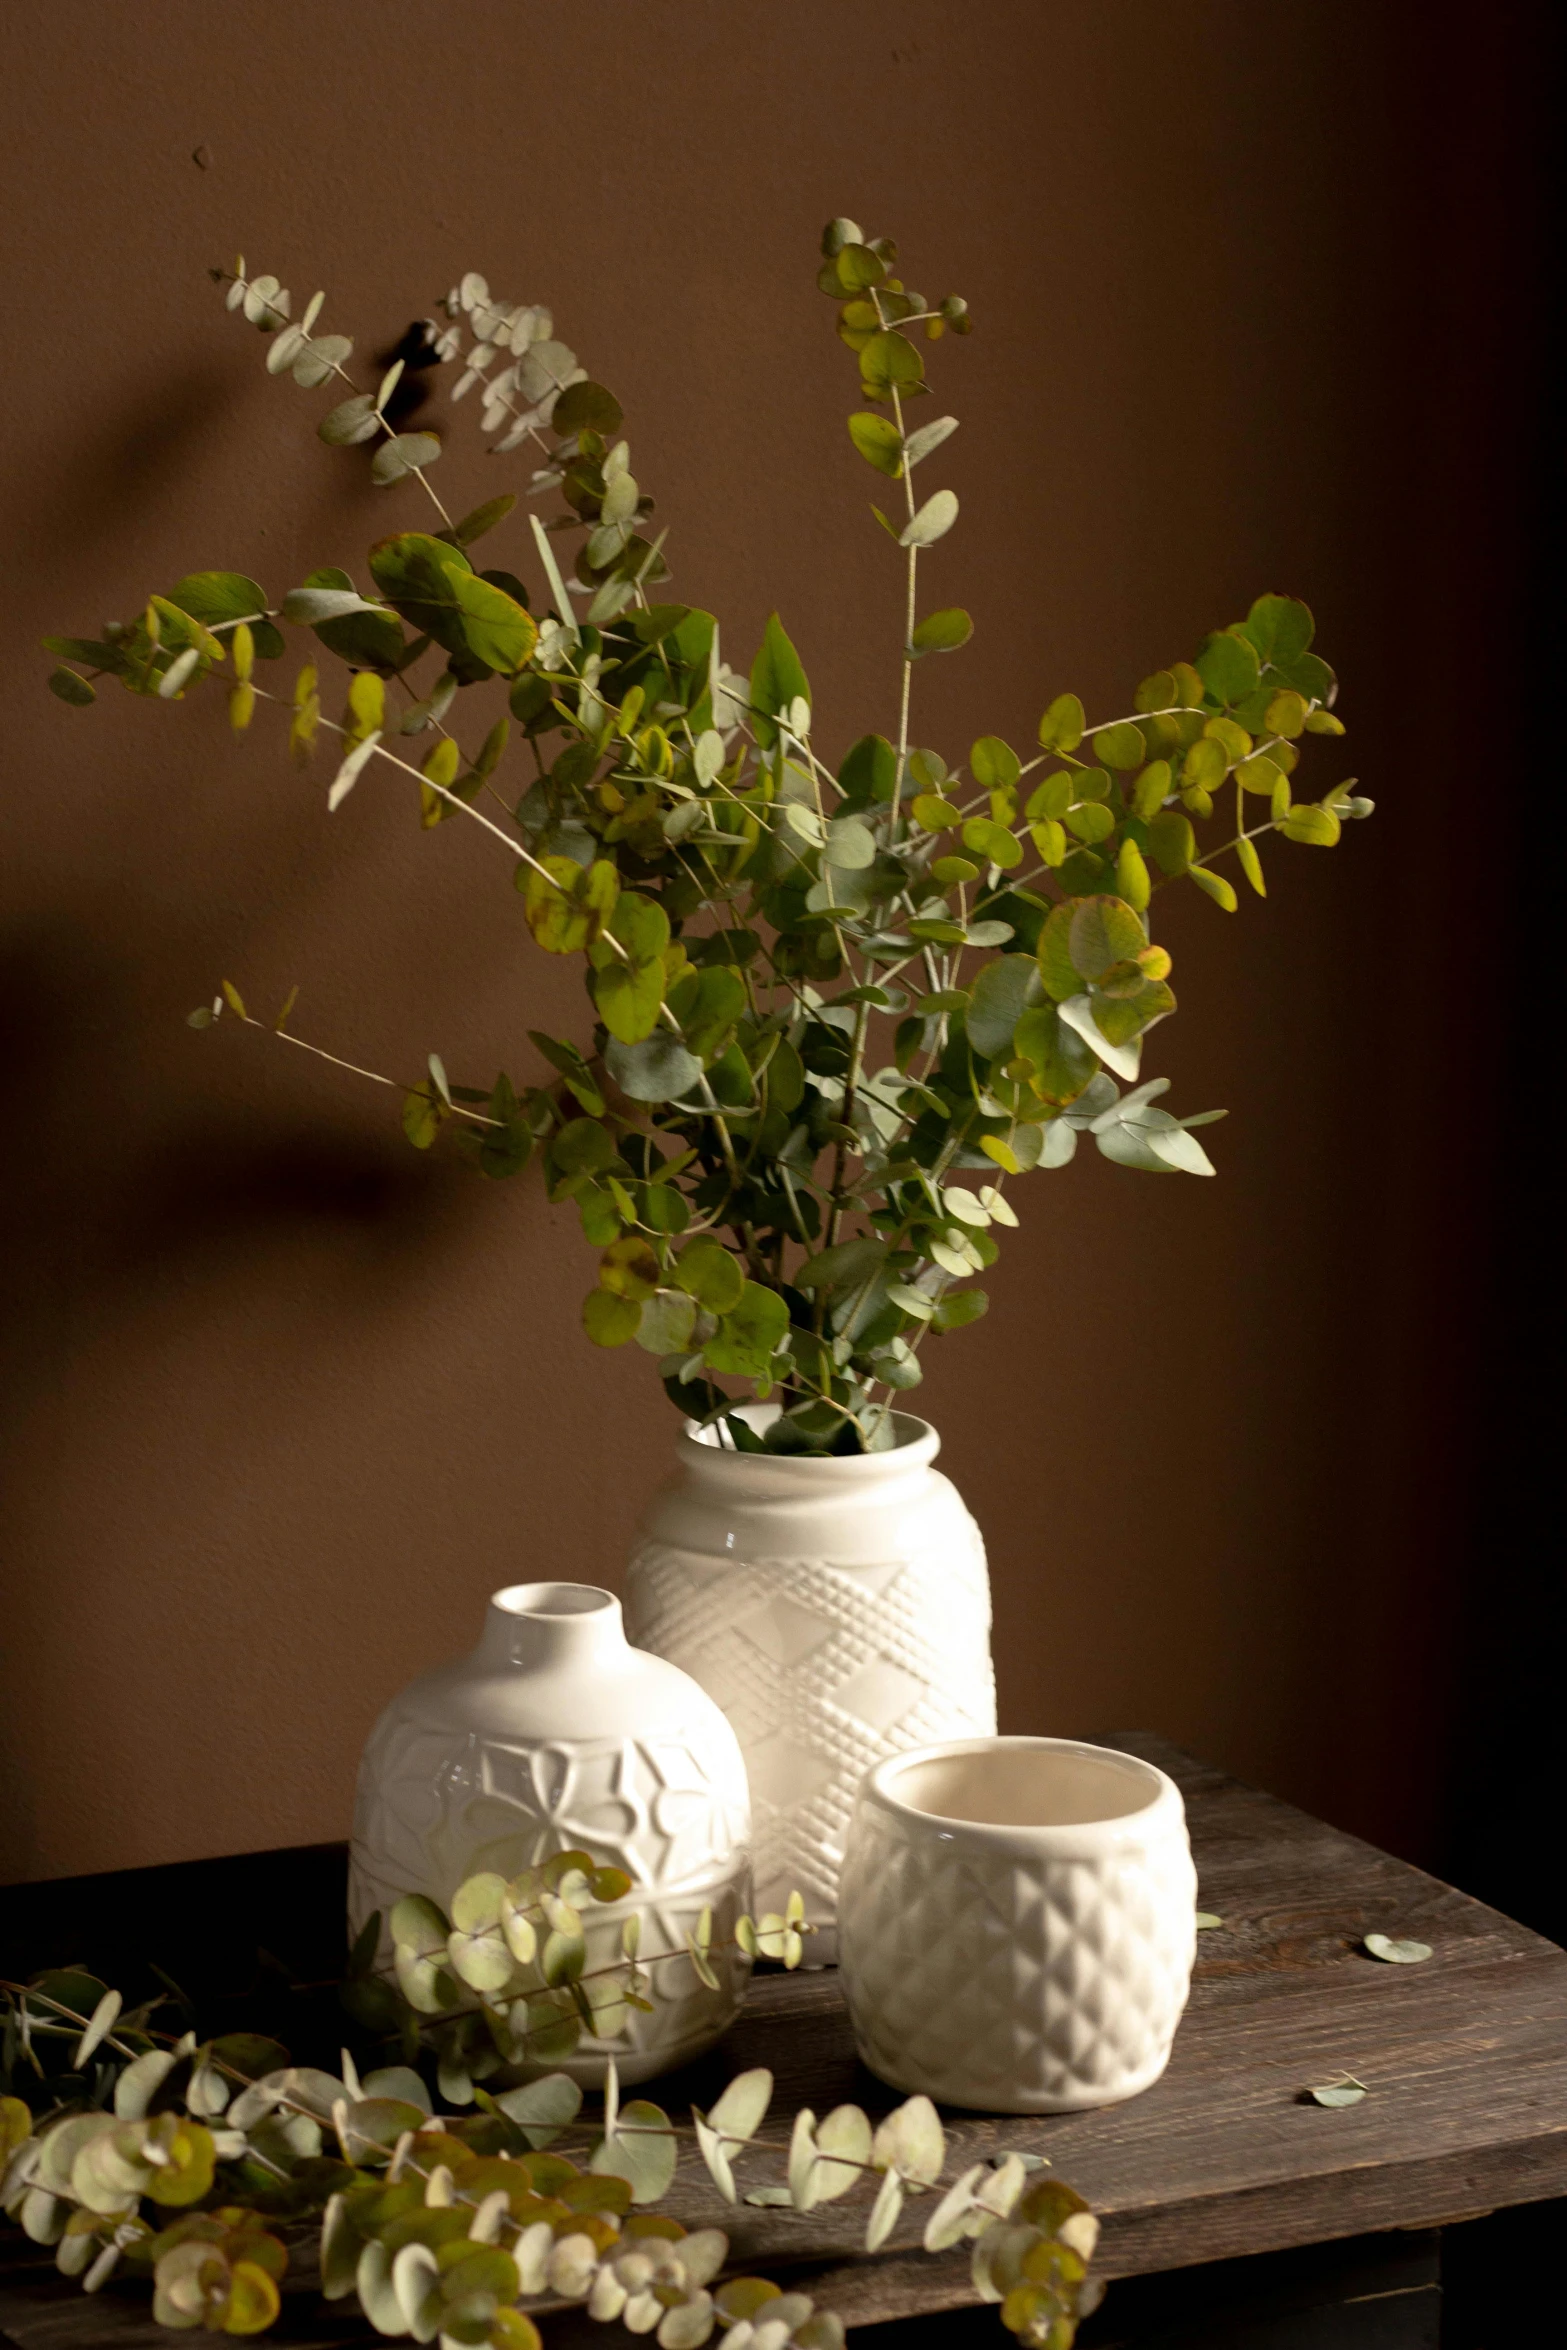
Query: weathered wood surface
[[1464, 2057]]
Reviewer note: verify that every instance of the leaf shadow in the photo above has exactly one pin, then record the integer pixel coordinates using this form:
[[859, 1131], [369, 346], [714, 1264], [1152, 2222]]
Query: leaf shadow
[[120, 473], [110, 1206]]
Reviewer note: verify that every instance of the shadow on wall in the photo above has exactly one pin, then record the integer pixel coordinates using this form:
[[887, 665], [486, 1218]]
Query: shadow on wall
[[147, 1197], [119, 473]]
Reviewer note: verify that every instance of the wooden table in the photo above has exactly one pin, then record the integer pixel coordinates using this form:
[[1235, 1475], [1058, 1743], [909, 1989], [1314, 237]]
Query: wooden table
[[1249, 2216]]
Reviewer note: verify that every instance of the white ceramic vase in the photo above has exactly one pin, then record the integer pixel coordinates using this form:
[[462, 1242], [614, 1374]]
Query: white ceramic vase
[[554, 1735], [838, 1610], [1018, 1922]]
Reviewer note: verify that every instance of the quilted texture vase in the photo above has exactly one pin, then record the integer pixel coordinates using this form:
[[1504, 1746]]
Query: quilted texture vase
[[556, 1735], [838, 1611], [1018, 1923]]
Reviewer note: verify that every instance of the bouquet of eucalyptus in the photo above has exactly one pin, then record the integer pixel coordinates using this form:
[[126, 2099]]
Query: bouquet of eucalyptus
[[835, 1008]]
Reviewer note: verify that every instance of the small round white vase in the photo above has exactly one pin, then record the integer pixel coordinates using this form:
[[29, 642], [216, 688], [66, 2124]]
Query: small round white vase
[[557, 1735], [1018, 1923], [838, 1610]]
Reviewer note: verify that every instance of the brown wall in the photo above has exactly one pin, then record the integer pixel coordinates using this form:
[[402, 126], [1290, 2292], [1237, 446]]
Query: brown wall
[[284, 1400]]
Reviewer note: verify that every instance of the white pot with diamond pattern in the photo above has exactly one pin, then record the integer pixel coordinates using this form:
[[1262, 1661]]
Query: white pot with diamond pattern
[[839, 1612], [1018, 1923], [553, 1736]]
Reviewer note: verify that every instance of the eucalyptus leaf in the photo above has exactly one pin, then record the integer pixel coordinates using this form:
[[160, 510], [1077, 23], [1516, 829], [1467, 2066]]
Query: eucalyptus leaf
[[932, 522], [1396, 1953], [1342, 2092], [928, 439], [658, 1069]]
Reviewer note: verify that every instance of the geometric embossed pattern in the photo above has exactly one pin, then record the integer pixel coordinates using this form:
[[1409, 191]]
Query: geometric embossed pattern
[[436, 1804], [824, 1670], [1011, 1984]]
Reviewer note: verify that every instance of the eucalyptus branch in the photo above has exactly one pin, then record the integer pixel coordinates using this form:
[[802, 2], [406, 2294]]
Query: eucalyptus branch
[[682, 831]]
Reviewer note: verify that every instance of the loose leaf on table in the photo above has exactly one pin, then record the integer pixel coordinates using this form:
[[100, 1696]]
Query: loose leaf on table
[[1396, 1953], [1346, 2090]]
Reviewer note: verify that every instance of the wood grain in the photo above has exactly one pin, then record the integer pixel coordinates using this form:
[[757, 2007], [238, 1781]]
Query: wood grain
[[1464, 2058]]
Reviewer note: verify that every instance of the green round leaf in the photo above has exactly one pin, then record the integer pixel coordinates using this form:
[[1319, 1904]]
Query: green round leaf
[[610, 1320], [1001, 994], [879, 442], [658, 1069], [707, 1272], [643, 2151], [942, 632], [1061, 728], [994, 763], [586, 407], [1228, 668], [629, 997], [1104, 930], [749, 1334], [1121, 746], [993, 842]]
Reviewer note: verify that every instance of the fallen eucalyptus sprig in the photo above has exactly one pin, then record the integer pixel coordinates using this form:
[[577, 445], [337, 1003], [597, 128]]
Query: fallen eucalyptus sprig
[[442, 2225], [775, 1181]]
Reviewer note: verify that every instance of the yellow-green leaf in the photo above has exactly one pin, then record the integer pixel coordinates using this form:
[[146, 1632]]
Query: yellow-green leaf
[[993, 842], [879, 442], [1286, 714], [498, 630], [1061, 728], [630, 1268], [609, 1319], [424, 1114], [1131, 875], [1172, 840], [942, 632], [1151, 790], [1120, 746], [1215, 886], [567, 906], [1205, 764], [1103, 930], [1317, 827], [1056, 967], [628, 997], [934, 814], [253, 2300]]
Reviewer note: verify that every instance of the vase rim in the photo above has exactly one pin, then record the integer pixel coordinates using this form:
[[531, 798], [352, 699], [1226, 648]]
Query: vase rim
[[915, 1444], [541, 1626], [1158, 1803], [555, 1601]]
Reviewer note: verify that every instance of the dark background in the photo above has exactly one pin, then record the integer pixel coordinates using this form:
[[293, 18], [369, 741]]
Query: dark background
[[1261, 305]]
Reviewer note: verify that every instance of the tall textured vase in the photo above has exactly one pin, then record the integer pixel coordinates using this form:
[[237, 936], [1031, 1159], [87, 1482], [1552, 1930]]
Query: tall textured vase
[[556, 1735], [838, 1610]]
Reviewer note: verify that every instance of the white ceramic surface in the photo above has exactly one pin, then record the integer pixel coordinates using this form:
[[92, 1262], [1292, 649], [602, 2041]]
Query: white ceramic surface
[[556, 1734], [1018, 1923], [838, 1611]]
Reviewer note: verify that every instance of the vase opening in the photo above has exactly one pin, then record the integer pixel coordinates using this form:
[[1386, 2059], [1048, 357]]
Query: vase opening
[[554, 1599], [907, 1430], [1023, 1783], [548, 1625]]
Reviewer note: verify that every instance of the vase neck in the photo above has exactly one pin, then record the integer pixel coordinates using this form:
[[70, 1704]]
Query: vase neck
[[844, 1478], [554, 1626]]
